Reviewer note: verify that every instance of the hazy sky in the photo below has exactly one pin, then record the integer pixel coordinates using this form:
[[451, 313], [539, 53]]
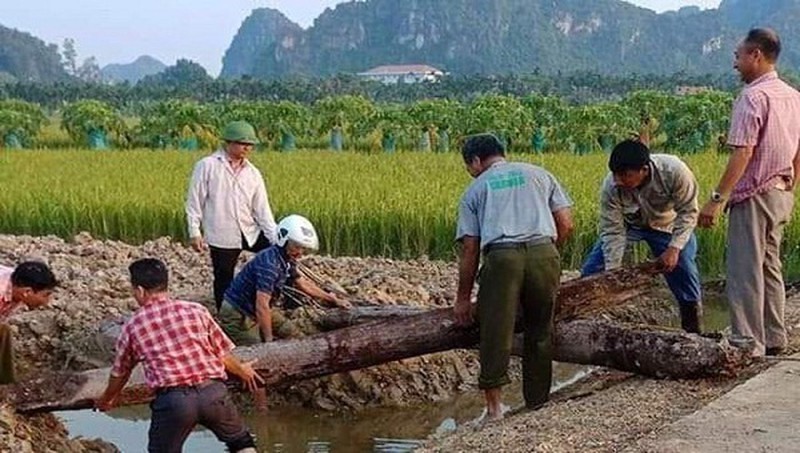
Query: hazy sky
[[118, 31]]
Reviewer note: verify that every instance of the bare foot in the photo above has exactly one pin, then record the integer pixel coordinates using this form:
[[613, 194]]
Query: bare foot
[[487, 417], [494, 414]]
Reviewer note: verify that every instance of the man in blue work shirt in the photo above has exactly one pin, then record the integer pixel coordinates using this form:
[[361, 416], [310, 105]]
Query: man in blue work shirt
[[246, 315], [249, 296]]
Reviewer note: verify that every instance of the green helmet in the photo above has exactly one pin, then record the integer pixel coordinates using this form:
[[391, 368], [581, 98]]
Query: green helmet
[[240, 131]]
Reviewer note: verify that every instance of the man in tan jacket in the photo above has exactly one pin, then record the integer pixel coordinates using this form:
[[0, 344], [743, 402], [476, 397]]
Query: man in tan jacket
[[651, 198]]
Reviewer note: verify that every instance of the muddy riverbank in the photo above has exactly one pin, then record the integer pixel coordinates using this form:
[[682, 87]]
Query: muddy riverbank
[[94, 290]]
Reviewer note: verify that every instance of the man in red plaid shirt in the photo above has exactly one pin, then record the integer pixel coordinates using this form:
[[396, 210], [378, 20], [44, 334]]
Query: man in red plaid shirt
[[185, 356]]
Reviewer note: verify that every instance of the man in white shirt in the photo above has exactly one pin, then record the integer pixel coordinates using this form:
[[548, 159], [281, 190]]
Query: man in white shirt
[[228, 197]]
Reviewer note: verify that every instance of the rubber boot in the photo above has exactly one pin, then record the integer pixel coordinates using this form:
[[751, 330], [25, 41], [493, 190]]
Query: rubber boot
[[691, 317]]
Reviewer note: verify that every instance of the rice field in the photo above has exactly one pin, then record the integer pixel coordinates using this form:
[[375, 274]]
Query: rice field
[[397, 205]]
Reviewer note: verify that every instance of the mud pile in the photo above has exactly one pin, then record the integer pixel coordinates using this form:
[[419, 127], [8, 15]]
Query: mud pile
[[94, 294]]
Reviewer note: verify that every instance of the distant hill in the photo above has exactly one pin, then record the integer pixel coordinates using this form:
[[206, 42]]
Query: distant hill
[[502, 36], [261, 39], [24, 57], [132, 72]]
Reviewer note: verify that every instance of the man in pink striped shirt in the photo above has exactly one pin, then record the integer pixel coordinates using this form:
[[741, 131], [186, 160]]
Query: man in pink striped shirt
[[757, 187], [185, 356]]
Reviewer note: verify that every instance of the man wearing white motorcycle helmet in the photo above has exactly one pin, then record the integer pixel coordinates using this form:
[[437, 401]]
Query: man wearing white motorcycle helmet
[[297, 235], [261, 279], [246, 315]]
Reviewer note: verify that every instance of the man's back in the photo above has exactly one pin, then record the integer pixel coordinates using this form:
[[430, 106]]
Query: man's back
[[511, 202], [178, 342], [267, 272]]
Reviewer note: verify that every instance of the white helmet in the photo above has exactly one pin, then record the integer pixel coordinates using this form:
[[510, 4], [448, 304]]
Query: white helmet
[[299, 230]]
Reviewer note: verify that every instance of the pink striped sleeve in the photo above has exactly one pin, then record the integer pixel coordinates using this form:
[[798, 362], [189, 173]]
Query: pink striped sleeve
[[746, 121]]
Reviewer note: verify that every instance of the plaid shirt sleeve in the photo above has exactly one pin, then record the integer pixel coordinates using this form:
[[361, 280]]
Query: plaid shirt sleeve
[[221, 345], [125, 359]]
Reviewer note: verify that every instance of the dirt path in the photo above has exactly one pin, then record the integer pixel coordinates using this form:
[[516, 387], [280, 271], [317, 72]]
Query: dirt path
[[609, 412]]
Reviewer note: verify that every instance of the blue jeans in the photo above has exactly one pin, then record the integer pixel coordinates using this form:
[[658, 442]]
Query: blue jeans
[[177, 410], [684, 280]]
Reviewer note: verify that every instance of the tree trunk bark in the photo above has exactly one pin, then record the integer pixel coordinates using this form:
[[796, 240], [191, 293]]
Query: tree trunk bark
[[576, 298], [338, 318]]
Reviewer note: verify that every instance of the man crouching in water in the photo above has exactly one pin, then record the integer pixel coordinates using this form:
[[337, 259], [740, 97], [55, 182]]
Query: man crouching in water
[[246, 314], [185, 356]]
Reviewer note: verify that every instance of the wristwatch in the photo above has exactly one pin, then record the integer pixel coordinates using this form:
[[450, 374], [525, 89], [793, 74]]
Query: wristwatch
[[717, 197]]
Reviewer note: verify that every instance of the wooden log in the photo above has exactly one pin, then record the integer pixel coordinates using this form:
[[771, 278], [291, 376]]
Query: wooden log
[[338, 318], [577, 297], [593, 342], [588, 295], [646, 351]]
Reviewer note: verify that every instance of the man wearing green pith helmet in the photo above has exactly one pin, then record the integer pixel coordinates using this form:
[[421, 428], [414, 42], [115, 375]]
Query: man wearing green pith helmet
[[227, 208]]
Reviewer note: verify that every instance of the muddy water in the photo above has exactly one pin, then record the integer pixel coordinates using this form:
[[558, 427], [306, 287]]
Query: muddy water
[[305, 430], [289, 429]]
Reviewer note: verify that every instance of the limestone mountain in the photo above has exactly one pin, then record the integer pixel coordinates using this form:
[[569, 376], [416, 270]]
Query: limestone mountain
[[502, 36], [266, 36], [24, 57]]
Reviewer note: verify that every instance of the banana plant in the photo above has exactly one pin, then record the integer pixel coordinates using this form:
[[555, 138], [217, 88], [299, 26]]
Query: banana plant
[[390, 124], [548, 115], [697, 121], [91, 122], [651, 108], [349, 115], [20, 122], [183, 124], [504, 116], [432, 117]]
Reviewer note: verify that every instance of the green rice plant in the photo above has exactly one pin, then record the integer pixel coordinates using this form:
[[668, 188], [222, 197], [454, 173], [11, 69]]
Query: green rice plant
[[400, 205]]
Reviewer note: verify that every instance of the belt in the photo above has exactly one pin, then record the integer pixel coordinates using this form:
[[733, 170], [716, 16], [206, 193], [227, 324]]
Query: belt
[[198, 386], [518, 245]]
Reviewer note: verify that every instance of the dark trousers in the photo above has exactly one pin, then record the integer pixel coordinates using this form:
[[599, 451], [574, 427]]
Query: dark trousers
[[7, 375], [526, 277], [178, 410], [223, 263]]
